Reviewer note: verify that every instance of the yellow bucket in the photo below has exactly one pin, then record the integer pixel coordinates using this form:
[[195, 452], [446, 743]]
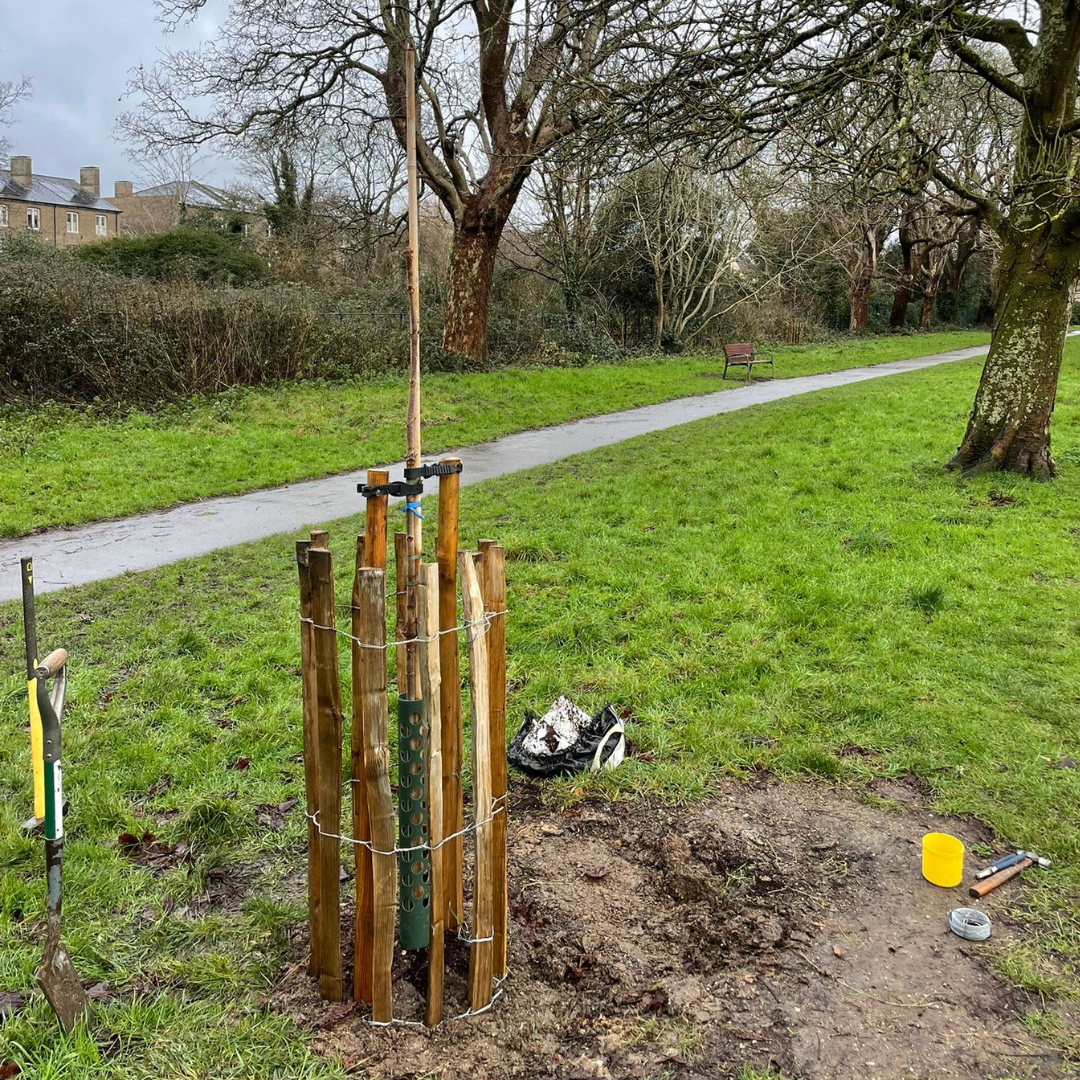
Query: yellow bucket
[[942, 859]]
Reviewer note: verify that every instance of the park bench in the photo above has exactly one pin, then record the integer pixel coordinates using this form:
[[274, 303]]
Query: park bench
[[745, 355]]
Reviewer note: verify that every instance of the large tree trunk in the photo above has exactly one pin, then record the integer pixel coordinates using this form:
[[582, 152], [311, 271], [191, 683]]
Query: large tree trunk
[[957, 262], [912, 264], [472, 267], [934, 267], [860, 300], [986, 315], [900, 301], [861, 279], [1009, 427]]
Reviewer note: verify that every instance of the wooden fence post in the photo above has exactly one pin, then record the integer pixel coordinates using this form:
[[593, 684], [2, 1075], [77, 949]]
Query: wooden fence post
[[370, 551], [428, 595], [493, 584], [311, 769], [329, 754], [446, 552], [372, 631], [481, 954], [362, 931], [375, 510]]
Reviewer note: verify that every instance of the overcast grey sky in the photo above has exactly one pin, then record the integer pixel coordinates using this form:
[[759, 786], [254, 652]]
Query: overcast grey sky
[[79, 53]]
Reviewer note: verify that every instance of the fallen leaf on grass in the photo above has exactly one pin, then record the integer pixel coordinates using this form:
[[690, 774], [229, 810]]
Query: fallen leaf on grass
[[98, 991], [128, 843], [11, 1001], [334, 1016], [272, 815], [240, 764], [151, 852], [9, 1069]]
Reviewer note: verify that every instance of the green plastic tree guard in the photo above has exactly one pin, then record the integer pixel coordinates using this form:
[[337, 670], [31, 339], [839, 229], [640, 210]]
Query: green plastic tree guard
[[414, 867]]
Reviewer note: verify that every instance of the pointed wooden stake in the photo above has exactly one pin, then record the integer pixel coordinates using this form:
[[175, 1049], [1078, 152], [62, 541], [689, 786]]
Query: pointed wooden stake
[[311, 767], [446, 551], [493, 583], [371, 551], [372, 605], [481, 953], [329, 754]]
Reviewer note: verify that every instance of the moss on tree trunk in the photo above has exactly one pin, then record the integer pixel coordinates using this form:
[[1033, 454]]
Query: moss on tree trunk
[[1009, 426]]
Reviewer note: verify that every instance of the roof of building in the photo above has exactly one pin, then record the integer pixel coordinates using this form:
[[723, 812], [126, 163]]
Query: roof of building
[[52, 191], [195, 193]]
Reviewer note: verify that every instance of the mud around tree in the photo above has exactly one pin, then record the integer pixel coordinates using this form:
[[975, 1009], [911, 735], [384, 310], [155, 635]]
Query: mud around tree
[[779, 925]]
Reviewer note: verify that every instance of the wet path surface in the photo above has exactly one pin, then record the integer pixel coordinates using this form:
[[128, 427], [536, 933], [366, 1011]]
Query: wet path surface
[[65, 557]]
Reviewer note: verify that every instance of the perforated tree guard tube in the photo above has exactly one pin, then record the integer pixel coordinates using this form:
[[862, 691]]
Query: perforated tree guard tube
[[414, 869]]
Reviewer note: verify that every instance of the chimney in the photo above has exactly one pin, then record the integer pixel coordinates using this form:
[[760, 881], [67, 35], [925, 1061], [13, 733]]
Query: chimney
[[22, 171], [123, 189], [90, 180]]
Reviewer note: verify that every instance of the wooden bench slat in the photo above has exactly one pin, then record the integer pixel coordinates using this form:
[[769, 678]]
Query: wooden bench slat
[[743, 354]]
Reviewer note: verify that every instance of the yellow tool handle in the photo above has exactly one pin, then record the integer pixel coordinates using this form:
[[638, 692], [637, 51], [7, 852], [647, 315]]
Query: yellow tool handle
[[37, 760]]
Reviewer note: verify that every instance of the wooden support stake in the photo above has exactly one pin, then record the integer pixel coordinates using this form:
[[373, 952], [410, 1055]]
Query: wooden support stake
[[413, 522], [363, 929], [375, 522], [311, 767], [401, 606], [428, 594], [329, 752], [372, 605], [481, 953], [371, 551], [446, 552], [493, 583]]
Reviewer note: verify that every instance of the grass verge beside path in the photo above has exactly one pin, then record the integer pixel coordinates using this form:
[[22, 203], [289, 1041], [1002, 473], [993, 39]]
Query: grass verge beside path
[[806, 592], [62, 467]]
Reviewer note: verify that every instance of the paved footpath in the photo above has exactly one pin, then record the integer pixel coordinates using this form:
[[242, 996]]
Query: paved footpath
[[65, 557]]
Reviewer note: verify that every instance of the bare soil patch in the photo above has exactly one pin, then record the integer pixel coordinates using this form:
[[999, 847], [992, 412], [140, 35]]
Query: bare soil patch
[[783, 925]]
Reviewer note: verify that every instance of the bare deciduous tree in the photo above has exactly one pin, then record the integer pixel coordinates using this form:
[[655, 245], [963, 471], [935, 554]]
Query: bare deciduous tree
[[501, 83], [12, 91], [768, 64], [690, 229]]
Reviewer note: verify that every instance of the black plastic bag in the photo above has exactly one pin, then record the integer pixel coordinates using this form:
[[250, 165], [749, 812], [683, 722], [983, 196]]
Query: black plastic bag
[[567, 740]]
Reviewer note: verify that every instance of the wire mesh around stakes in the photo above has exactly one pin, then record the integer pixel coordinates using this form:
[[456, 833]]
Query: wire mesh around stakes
[[403, 858]]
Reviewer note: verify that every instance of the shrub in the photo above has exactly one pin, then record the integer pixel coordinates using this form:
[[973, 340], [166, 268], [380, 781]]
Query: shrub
[[185, 254], [73, 332]]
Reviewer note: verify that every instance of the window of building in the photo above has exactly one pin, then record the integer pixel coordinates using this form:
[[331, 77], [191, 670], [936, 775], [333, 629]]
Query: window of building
[[3, 217], [72, 222], [33, 219], [101, 225]]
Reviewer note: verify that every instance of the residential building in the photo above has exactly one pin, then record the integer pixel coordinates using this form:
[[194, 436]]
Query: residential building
[[167, 205], [62, 212]]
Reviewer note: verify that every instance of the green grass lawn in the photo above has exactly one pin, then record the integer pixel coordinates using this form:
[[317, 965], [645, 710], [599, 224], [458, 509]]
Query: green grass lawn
[[799, 587], [64, 467]]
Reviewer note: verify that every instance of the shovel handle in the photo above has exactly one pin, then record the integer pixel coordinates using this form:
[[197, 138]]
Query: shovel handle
[[981, 888], [53, 662]]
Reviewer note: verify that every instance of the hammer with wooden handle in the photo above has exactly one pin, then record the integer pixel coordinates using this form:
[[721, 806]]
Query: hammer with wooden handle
[[981, 888], [1011, 860]]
